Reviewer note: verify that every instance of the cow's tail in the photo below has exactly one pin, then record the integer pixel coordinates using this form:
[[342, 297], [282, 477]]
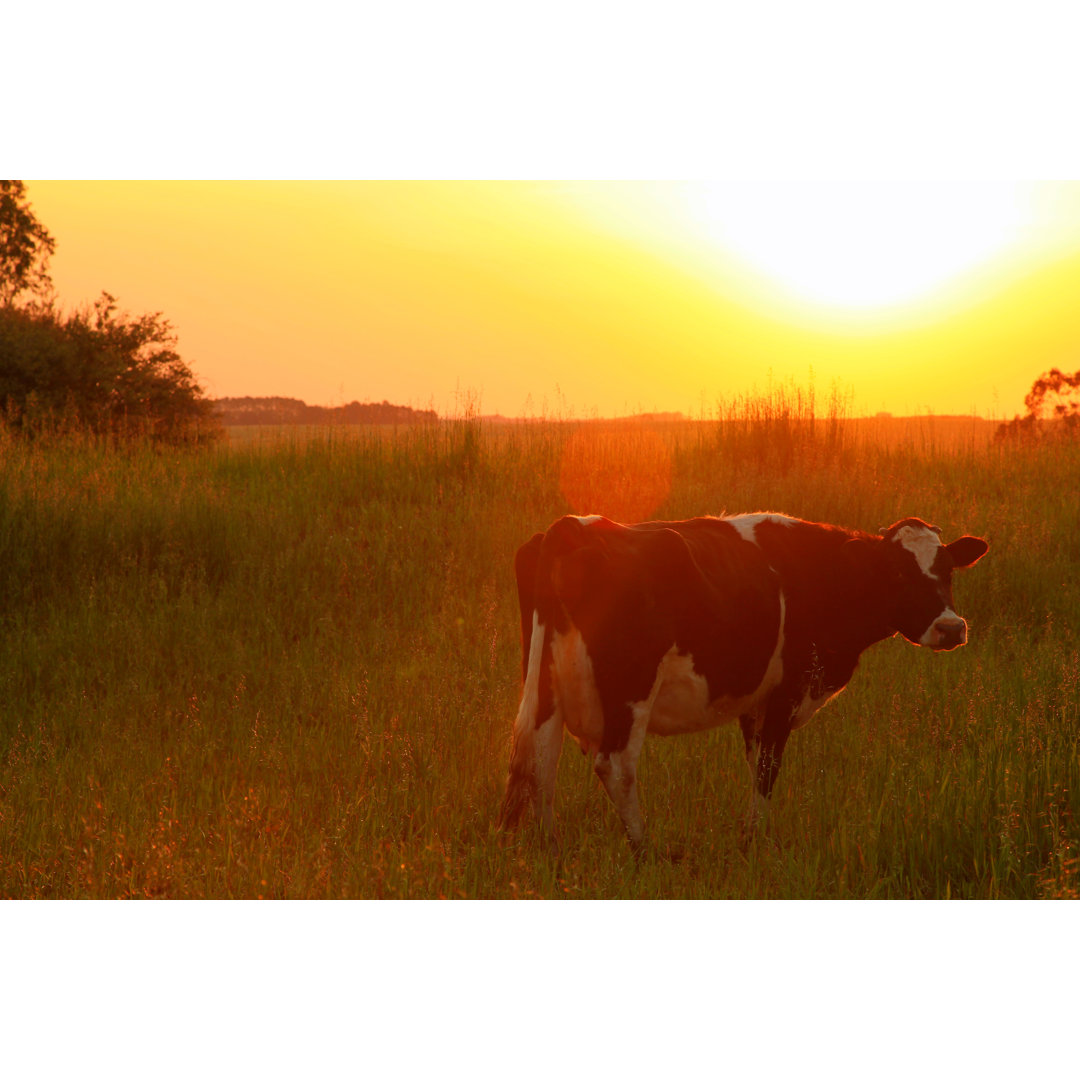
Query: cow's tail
[[521, 782]]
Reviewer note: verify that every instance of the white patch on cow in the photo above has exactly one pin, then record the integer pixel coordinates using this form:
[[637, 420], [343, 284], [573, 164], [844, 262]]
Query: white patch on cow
[[590, 519], [923, 544], [680, 696], [746, 524], [575, 688]]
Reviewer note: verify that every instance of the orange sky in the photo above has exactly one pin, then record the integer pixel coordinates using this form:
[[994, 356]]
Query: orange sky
[[603, 298]]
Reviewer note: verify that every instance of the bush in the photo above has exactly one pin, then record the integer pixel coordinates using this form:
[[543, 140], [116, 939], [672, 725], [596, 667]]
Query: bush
[[99, 370]]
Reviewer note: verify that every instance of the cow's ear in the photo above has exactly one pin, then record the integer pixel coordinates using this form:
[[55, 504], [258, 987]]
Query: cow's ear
[[967, 551]]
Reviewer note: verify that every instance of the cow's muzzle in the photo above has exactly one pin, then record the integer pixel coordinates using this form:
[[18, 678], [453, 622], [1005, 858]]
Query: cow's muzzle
[[946, 633]]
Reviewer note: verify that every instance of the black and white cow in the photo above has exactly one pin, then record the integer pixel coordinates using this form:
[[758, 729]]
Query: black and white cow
[[677, 626]]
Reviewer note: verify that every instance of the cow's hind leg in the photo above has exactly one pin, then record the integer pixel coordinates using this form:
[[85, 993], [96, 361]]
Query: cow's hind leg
[[537, 740], [617, 770], [549, 737], [538, 733], [520, 781], [534, 764]]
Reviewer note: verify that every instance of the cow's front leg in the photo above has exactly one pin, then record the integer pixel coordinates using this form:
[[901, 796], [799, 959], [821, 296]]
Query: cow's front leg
[[764, 739], [751, 731]]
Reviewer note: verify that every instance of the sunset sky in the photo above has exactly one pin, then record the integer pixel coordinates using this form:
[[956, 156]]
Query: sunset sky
[[599, 298]]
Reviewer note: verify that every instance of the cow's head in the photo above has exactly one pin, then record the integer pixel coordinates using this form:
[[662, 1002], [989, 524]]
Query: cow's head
[[920, 571]]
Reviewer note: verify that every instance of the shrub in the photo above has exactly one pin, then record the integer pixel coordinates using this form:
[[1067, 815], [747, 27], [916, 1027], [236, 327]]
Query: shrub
[[99, 370]]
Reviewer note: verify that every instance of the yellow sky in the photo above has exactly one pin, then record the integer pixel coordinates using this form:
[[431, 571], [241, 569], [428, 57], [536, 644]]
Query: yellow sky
[[601, 298]]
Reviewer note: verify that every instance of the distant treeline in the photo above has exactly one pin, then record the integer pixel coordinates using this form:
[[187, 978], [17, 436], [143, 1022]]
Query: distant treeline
[[236, 411]]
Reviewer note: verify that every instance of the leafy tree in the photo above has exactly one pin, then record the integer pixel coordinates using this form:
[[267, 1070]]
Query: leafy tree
[[1057, 392], [97, 368], [25, 246], [102, 370], [1054, 396]]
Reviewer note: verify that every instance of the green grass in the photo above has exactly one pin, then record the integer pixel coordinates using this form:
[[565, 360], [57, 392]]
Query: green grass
[[289, 668]]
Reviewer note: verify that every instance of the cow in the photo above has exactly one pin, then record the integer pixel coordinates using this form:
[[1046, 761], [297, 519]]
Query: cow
[[670, 627]]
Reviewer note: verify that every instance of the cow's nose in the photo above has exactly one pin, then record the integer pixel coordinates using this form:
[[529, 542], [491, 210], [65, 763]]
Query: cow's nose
[[950, 633]]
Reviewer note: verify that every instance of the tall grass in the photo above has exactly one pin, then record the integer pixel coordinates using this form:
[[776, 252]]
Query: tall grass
[[290, 667]]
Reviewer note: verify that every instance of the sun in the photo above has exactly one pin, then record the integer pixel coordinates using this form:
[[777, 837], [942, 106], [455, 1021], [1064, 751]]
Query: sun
[[858, 245], [831, 248]]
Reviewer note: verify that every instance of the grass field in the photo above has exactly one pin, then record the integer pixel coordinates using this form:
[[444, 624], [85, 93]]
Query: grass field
[[288, 667]]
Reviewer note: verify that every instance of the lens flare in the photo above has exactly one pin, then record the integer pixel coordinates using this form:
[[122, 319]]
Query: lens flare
[[620, 471]]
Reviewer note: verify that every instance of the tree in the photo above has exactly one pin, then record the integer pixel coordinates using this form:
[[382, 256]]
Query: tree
[[25, 246], [1057, 392], [97, 368], [1054, 396], [102, 370]]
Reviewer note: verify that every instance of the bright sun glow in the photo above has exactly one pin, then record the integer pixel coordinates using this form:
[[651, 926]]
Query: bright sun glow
[[859, 245], [819, 249], [602, 298]]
